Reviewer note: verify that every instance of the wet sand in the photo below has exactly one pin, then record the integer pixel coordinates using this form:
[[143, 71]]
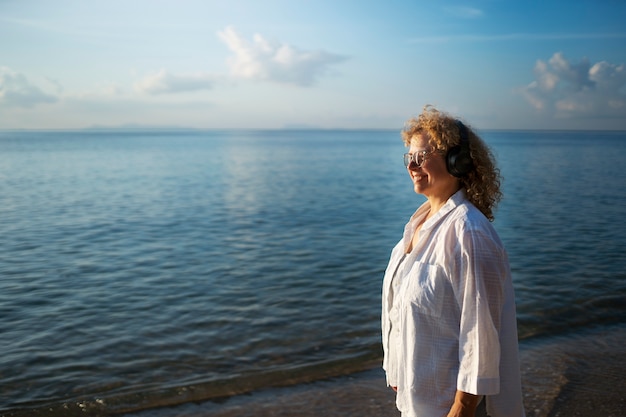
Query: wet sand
[[574, 375]]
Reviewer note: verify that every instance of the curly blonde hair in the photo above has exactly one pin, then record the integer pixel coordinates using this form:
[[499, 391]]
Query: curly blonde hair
[[482, 183]]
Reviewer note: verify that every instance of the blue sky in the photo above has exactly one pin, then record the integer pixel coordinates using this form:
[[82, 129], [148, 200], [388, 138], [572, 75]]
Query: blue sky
[[328, 64]]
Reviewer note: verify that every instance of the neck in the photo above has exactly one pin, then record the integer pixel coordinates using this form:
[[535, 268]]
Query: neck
[[436, 202]]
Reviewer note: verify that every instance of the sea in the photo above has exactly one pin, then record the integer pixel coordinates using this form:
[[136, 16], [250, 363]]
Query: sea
[[143, 268]]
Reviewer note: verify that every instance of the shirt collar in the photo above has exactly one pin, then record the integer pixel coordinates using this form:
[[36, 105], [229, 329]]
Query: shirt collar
[[453, 202]]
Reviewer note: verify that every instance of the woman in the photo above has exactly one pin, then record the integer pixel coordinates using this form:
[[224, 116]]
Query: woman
[[448, 319]]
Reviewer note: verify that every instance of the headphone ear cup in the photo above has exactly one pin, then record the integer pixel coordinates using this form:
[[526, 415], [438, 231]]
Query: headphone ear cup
[[459, 161]]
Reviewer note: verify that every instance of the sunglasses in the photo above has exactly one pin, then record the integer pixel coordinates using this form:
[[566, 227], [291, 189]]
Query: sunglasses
[[417, 158]]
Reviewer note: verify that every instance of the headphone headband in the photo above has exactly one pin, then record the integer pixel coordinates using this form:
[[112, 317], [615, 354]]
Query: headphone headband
[[462, 133]]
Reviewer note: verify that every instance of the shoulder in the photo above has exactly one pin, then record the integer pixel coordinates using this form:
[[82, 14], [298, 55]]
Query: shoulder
[[469, 221], [466, 213]]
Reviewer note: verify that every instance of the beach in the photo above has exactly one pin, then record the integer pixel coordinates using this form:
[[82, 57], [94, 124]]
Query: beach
[[579, 374]]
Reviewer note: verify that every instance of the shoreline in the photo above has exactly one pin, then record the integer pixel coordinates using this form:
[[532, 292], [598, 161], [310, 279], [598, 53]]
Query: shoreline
[[566, 375], [590, 381]]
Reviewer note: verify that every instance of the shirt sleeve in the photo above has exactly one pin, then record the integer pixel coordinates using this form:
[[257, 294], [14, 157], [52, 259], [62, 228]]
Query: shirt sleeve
[[481, 266]]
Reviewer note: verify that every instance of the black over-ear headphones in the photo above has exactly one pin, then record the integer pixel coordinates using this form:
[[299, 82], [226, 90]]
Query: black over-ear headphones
[[458, 160]]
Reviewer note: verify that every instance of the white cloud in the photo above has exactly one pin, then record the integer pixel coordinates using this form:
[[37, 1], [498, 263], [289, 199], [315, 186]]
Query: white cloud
[[581, 89], [17, 91], [272, 61], [163, 82]]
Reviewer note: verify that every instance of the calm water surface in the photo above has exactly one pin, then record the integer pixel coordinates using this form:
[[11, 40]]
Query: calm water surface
[[153, 267]]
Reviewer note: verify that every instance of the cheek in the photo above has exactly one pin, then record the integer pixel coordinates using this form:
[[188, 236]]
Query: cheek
[[437, 168], [442, 171]]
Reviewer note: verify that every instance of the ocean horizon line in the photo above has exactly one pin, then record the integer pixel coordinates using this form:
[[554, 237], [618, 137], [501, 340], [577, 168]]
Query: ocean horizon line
[[147, 128]]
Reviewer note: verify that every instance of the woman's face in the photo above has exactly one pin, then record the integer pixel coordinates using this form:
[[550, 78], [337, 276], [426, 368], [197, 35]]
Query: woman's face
[[432, 178]]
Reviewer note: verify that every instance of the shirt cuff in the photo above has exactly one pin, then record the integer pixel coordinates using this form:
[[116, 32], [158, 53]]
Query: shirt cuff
[[478, 386]]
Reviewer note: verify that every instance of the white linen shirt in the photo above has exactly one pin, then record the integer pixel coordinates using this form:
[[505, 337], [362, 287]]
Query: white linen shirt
[[448, 316]]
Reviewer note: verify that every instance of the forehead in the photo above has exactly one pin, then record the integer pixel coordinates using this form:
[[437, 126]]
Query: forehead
[[420, 141]]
